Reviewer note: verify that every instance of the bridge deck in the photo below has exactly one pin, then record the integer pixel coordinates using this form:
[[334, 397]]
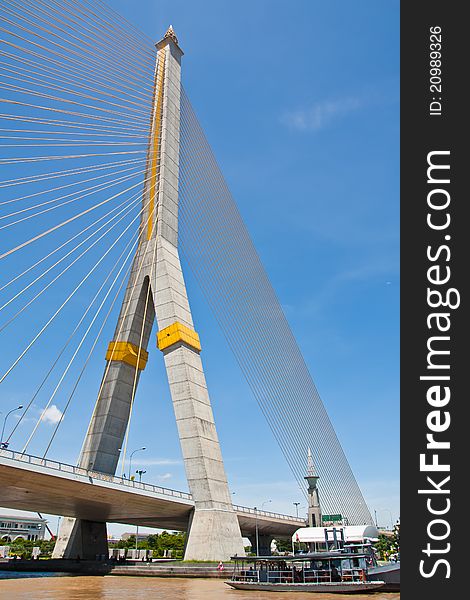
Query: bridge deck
[[31, 483]]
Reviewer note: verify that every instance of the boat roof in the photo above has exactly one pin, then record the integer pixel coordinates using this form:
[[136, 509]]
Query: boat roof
[[352, 533], [338, 555]]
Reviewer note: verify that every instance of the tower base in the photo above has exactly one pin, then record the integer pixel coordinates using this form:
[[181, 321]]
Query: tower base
[[82, 539], [213, 535]]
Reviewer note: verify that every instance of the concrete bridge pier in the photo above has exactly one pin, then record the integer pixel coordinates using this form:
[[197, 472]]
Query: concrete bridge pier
[[264, 544], [81, 538]]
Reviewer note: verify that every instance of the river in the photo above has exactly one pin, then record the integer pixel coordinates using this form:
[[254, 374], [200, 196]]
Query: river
[[145, 588]]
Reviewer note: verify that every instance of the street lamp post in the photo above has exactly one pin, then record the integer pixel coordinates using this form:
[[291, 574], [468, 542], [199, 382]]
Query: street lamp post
[[2, 443], [139, 472], [296, 504], [256, 525], [256, 530], [130, 458]]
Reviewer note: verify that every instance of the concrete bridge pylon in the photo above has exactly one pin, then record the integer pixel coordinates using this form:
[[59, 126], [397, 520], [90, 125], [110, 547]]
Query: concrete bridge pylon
[[156, 290]]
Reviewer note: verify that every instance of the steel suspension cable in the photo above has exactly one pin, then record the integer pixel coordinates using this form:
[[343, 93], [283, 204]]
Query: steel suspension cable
[[61, 187], [194, 211], [134, 58], [104, 29], [36, 337], [96, 127], [46, 74], [217, 288], [232, 279], [58, 276], [270, 418], [88, 358], [139, 36], [66, 243], [76, 71], [65, 173], [103, 185], [59, 355], [139, 236], [31, 92], [130, 203], [67, 61], [62, 377], [83, 56], [63, 223]]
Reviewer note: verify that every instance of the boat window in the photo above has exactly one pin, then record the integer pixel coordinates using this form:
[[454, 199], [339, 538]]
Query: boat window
[[338, 563]]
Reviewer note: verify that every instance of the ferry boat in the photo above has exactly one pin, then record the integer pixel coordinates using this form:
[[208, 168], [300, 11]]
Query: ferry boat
[[321, 572], [351, 539]]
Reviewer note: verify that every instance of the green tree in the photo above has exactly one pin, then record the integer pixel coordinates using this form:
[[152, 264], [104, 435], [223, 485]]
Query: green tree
[[24, 548], [387, 545], [158, 543], [283, 546]]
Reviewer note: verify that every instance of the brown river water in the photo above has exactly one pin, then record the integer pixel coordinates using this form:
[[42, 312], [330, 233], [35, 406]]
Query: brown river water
[[147, 588]]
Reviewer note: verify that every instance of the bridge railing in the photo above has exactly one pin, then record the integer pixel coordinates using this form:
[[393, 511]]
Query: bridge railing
[[265, 513], [74, 470]]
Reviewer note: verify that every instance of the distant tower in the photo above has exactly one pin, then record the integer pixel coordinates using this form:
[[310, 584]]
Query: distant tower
[[314, 510]]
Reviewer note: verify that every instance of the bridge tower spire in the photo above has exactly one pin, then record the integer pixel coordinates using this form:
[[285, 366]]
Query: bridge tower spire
[[314, 510], [156, 290]]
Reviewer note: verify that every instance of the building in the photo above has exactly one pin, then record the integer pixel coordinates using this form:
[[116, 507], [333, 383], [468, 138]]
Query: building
[[389, 533], [29, 528], [141, 536], [113, 539]]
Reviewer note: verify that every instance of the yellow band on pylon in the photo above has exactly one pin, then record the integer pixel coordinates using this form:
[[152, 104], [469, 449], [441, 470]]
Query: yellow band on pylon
[[128, 353], [177, 332], [154, 164]]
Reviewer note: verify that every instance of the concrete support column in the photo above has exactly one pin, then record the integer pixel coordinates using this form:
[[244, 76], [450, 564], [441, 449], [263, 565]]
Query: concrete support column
[[214, 532], [264, 544], [107, 428], [105, 436], [82, 539]]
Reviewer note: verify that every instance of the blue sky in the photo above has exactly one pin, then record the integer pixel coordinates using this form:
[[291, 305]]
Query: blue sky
[[299, 101]]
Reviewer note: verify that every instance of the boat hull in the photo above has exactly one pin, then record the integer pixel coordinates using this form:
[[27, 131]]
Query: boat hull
[[327, 587], [389, 573]]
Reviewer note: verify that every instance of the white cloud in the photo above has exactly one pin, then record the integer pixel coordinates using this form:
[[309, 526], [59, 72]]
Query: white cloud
[[320, 114], [165, 476], [52, 415]]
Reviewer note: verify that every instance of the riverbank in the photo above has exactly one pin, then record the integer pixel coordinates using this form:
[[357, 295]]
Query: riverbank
[[100, 568]]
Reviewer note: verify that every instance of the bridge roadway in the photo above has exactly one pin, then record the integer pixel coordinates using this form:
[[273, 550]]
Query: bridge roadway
[[42, 485]]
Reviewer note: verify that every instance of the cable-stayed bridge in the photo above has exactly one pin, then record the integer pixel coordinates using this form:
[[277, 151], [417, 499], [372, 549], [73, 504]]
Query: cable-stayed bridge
[[106, 177], [42, 485]]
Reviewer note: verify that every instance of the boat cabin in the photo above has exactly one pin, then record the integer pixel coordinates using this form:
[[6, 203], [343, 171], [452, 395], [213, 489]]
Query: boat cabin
[[323, 567]]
